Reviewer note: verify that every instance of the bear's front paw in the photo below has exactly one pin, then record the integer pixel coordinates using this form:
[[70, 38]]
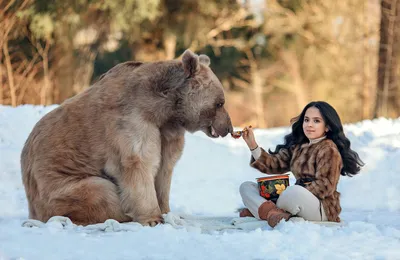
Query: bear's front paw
[[164, 209], [61, 222], [153, 221]]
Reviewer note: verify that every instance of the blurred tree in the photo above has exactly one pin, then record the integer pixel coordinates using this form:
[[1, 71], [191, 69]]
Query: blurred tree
[[388, 92], [272, 58], [9, 28], [181, 24], [319, 45], [82, 29]]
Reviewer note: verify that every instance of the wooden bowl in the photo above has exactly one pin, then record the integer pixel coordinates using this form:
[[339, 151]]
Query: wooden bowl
[[272, 186]]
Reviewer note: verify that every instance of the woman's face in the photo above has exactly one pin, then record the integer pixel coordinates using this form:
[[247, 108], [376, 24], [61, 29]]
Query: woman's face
[[314, 125]]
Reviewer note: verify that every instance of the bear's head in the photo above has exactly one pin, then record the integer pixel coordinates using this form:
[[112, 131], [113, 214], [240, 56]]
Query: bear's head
[[203, 100]]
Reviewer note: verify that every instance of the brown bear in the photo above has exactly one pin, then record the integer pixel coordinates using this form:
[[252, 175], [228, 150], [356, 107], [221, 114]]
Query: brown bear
[[109, 152]]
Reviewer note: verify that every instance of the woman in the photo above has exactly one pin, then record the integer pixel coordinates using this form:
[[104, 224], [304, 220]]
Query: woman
[[317, 152]]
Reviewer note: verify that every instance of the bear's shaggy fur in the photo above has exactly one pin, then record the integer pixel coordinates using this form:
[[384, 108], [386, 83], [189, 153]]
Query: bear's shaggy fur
[[109, 152]]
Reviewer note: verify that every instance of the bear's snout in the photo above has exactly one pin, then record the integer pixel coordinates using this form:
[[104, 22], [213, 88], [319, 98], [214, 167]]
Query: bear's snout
[[223, 125]]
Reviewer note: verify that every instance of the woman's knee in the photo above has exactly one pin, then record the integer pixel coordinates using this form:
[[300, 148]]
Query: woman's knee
[[294, 191], [246, 186], [293, 195]]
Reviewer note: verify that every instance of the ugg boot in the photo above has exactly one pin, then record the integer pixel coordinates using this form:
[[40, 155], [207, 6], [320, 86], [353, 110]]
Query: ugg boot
[[245, 213], [272, 214]]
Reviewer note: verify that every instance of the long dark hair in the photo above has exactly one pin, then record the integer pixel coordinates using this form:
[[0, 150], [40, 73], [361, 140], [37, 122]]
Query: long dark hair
[[351, 161]]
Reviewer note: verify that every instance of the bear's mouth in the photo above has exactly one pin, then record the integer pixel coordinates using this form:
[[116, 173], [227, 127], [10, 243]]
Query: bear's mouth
[[212, 132]]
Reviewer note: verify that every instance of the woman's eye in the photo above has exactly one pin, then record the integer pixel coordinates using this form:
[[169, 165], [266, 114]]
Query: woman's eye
[[316, 121], [305, 120]]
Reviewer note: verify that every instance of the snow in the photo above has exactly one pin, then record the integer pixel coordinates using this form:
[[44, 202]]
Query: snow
[[205, 186]]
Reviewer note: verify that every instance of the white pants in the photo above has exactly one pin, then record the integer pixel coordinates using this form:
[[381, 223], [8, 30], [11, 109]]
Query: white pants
[[296, 200]]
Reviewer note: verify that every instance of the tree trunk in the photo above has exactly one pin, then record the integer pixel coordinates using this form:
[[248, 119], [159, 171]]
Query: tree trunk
[[74, 72], [84, 70], [45, 97], [257, 82], [388, 54], [366, 98], [10, 74], [169, 45], [395, 72], [64, 72], [294, 70], [44, 92], [1, 80]]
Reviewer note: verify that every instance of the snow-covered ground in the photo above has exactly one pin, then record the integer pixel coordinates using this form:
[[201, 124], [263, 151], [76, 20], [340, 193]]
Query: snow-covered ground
[[205, 184]]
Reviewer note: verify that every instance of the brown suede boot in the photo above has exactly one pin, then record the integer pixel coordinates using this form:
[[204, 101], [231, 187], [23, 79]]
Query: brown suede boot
[[245, 213], [272, 214]]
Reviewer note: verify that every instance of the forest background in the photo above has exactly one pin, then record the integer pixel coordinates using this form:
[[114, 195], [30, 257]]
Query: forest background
[[272, 57]]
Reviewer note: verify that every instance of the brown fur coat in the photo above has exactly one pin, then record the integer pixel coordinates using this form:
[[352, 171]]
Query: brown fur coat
[[321, 161]]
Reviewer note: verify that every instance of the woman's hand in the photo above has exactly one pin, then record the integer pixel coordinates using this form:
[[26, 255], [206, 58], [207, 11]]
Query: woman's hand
[[248, 136]]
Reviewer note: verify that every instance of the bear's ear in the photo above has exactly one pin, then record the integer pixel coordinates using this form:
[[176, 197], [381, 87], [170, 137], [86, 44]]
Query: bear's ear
[[190, 63], [204, 59]]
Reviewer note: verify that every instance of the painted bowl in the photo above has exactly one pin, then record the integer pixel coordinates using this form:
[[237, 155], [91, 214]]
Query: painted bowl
[[272, 186]]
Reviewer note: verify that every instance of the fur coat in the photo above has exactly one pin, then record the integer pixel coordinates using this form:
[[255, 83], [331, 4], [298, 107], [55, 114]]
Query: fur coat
[[321, 161]]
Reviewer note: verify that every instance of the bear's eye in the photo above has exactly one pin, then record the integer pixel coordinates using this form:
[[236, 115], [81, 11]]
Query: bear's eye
[[219, 105]]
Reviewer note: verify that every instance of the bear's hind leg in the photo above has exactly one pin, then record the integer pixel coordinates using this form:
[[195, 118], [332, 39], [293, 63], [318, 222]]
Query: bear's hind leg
[[88, 201]]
